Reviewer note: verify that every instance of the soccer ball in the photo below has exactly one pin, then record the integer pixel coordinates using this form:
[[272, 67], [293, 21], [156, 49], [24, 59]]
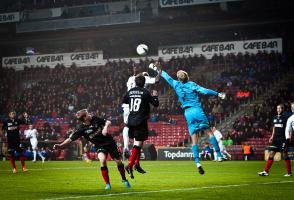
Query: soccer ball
[[142, 49]]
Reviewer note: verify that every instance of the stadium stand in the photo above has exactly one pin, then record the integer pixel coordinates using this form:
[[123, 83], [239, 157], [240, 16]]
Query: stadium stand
[[58, 92]]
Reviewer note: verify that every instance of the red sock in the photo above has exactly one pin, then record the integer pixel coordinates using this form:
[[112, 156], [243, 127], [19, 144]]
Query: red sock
[[135, 151], [104, 172], [268, 165], [12, 162], [22, 161], [122, 171], [137, 161], [288, 165]]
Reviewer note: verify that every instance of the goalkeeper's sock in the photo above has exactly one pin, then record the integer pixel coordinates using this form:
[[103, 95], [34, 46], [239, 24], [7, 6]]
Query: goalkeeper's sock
[[195, 151]]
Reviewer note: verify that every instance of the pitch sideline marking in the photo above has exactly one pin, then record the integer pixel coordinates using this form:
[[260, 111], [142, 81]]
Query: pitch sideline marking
[[170, 190]]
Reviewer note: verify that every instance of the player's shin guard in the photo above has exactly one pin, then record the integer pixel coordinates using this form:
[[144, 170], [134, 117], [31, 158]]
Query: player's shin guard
[[136, 150], [195, 151], [214, 143], [126, 138], [104, 172], [121, 169], [268, 165], [12, 161], [288, 165]]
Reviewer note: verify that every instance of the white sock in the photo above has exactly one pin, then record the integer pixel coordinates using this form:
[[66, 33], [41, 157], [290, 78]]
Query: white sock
[[35, 154], [126, 137], [39, 153]]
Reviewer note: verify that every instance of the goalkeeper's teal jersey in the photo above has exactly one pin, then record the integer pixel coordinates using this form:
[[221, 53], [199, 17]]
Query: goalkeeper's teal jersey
[[188, 92]]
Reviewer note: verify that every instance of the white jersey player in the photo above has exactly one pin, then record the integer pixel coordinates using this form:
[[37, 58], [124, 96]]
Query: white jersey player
[[131, 84], [289, 126], [288, 133], [219, 137], [32, 134]]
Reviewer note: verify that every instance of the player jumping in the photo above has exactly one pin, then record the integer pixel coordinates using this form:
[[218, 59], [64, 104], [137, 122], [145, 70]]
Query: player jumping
[[139, 99], [94, 129], [131, 84], [187, 92]]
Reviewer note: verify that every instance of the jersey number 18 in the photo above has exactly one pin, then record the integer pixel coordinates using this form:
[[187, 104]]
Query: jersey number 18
[[135, 104]]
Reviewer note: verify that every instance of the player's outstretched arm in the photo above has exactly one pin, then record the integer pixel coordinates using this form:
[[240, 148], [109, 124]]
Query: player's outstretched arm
[[204, 90], [104, 130], [65, 142], [168, 79]]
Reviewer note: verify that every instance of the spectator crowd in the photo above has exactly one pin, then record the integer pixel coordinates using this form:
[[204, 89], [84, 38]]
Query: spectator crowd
[[52, 93]]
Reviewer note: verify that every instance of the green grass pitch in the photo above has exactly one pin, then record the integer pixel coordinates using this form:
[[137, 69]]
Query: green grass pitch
[[62, 180]]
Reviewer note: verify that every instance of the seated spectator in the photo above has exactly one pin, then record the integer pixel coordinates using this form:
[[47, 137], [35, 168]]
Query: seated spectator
[[172, 121], [229, 141], [153, 118], [207, 152], [28, 153]]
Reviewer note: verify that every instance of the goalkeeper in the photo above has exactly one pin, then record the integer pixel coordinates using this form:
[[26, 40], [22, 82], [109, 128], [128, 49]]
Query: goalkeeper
[[187, 92]]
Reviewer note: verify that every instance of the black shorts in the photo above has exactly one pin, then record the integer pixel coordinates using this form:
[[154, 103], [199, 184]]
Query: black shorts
[[140, 132], [277, 145], [15, 147], [110, 149]]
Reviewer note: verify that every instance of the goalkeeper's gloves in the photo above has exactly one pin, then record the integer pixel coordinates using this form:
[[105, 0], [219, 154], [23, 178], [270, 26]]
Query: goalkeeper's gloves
[[154, 67], [222, 95]]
